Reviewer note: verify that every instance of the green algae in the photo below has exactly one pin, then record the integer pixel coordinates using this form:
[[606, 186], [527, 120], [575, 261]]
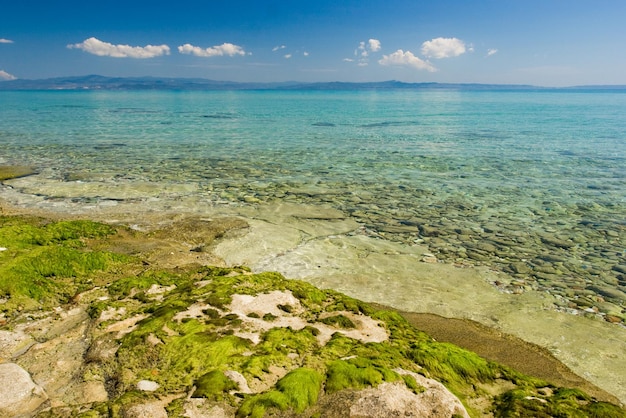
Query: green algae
[[562, 403], [356, 373], [297, 390], [46, 263], [340, 321], [213, 385], [453, 365]]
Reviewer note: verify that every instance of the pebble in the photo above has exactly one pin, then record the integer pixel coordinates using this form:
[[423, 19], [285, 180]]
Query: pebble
[[147, 385]]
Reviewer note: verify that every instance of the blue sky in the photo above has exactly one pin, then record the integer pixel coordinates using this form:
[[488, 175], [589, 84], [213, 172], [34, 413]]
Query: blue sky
[[540, 42]]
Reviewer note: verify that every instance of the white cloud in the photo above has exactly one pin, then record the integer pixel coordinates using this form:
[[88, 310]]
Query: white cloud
[[5, 41], [348, 60], [306, 54], [491, 51], [276, 48], [374, 45], [443, 48], [6, 76], [407, 59], [217, 51], [364, 49], [287, 56], [105, 49]]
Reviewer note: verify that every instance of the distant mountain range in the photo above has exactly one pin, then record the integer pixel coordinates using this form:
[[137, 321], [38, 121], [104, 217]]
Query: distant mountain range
[[98, 82]]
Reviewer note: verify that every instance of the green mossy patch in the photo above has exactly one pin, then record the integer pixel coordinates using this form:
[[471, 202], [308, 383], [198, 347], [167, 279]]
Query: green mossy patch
[[8, 172], [46, 263], [297, 390], [340, 321], [527, 402], [213, 385]]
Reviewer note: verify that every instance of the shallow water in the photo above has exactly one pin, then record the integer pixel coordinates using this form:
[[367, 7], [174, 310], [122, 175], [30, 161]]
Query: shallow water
[[504, 207], [533, 183]]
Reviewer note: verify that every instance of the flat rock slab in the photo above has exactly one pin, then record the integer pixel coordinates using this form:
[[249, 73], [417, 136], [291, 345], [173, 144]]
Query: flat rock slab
[[18, 393]]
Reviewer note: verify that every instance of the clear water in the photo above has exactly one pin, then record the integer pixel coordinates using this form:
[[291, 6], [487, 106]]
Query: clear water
[[541, 176]]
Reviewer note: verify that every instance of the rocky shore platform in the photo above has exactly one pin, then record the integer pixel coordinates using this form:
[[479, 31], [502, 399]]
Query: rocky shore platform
[[112, 319]]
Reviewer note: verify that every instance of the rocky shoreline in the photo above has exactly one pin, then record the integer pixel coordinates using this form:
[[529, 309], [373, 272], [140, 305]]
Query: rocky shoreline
[[109, 343]]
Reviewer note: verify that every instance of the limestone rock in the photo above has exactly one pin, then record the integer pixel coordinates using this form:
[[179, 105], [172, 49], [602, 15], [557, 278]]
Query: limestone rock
[[147, 385], [146, 410], [18, 393], [395, 399]]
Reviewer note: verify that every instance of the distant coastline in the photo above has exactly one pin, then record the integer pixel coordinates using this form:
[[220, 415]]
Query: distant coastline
[[98, 82]]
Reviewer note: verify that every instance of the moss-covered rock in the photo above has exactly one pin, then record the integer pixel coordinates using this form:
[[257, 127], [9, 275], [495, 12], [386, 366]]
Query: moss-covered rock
[[180, 329]]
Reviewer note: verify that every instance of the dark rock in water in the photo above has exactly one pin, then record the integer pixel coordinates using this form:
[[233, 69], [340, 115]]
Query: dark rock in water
[[326, 124], [555, 242], [620, 269], [8, 172], [108, 146], [219, 116], [429, 231]]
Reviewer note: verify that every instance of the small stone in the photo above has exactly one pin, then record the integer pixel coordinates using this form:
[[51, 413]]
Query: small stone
[[613, 319], [147, 385]]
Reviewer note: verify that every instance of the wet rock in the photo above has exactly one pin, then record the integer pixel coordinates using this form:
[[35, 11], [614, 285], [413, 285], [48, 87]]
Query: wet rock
[[15, 171], [429, 231], [608, 292], [520, 267], [476, 255], [619, 268], [18, 393], [555, 242]]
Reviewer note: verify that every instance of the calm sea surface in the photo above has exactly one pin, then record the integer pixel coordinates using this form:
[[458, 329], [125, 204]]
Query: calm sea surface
[[531, 183]]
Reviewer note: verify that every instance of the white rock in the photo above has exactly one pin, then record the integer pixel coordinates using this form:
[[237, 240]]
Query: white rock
[[18, 393], [147, 385], [395, 399]]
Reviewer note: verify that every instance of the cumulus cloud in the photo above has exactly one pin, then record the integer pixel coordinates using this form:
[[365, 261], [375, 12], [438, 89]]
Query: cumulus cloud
[[348, 60], [276, 48], [105, 49], [227, 49], [363, 51], [491, 51], [6, 76], [306, 54], [374, 45], [287, 56], [5, 41], [443, 48], [406, 59]]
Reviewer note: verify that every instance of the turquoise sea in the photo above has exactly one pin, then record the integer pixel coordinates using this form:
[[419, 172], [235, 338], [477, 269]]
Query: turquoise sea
[[529, 183]]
